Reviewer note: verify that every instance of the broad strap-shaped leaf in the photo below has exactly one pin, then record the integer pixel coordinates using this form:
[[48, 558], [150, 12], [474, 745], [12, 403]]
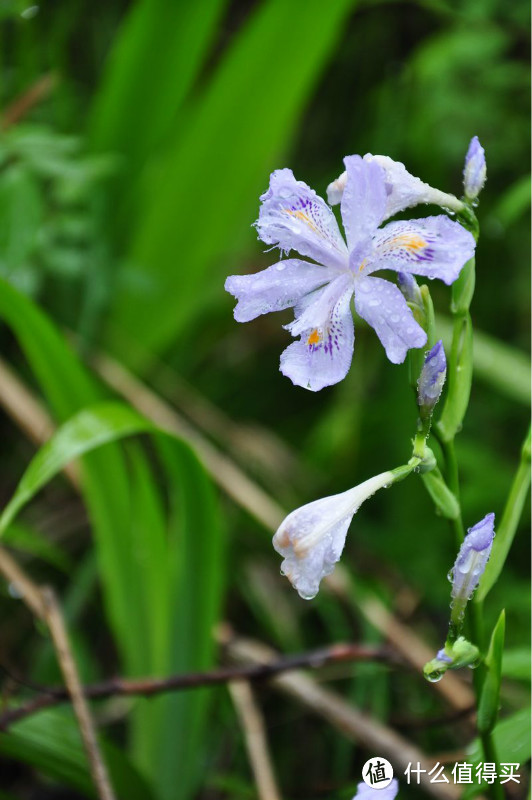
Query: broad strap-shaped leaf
[[198, 201], [86, 431], [50, 742], [129, 529]]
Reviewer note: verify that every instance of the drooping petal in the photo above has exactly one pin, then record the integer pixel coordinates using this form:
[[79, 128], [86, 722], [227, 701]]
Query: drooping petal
[[434, 247], [323, 354], [280, 286], [293, 217], [311, 538], [383, 307], [406, 191], [403, 190], [363, 200]]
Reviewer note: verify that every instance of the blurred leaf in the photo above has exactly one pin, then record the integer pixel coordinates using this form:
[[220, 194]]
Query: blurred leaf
[[24, 538], [488, 707], [516, 664], [191, 569], [507, 527], [50, 742], [512, 740], [89, 429], [496, 363], [200, 198], [197, 572], [513, 204], [135, 107], [20, 215]]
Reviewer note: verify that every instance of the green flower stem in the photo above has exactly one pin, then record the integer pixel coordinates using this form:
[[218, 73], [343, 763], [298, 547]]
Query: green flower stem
[[459, 379]]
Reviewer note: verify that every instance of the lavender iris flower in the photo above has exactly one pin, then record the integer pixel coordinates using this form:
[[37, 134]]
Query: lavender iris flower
[[472, 559], [293, 217], [365, 792], [474, 169], [431, 380], [311, 538]]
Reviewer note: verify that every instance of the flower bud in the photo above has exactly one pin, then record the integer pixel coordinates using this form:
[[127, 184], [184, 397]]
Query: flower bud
[[431, 380], [472, 559], [409, 288], [474, 169], [460, 653]]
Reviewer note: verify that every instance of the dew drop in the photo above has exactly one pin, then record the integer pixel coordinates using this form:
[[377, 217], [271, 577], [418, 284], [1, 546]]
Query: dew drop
[[374, 302], [395, 318], [280, 266], [435, 676]]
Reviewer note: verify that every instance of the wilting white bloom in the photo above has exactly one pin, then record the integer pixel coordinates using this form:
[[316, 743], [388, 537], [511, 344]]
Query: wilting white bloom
[[365, 792], [311, 538], [404, 190]]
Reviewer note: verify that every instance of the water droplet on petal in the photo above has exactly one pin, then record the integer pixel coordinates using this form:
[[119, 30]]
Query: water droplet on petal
[[374, 302], [280, 266], [395, 318]]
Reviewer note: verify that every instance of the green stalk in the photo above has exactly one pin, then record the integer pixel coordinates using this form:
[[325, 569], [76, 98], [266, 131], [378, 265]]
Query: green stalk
[[459, 379]]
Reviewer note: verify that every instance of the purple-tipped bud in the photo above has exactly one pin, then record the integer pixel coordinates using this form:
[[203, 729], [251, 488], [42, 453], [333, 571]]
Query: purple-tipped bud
[[441, 655], [409, 288], [431, 380], [474, 169], [472, 558]]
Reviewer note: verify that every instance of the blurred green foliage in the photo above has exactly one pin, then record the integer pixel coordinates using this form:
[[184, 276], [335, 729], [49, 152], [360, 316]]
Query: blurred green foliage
[[128, 187]]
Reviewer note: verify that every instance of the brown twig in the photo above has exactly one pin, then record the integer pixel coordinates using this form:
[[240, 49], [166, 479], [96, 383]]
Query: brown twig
[[352, 723], [59, 635], [40, 90], [252, 723], [146, 687], [43, 604]]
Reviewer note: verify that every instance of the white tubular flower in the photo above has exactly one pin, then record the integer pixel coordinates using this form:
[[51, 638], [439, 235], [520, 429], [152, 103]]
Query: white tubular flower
[[404, 190], [311, 538]]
